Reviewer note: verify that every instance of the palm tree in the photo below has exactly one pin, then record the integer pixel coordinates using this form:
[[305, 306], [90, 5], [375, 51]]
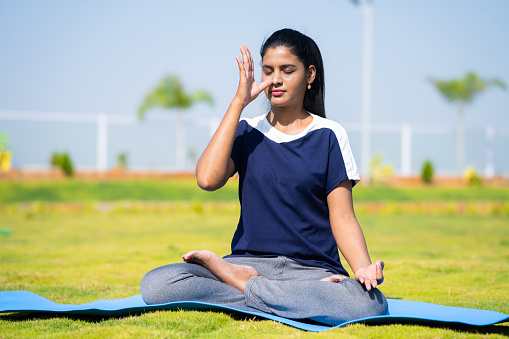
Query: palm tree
[[169, 94], [463, 91]]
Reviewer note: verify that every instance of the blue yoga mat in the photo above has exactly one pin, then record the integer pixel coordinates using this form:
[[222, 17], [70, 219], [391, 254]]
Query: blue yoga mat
[[399, 311]]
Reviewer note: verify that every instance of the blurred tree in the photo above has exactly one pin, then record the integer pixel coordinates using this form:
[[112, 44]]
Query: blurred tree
[[427, 172], [5, 154], [381, 173], [462, 92], [169, 94], [63, 161], [4, 141], [472, 177], [122, 161]]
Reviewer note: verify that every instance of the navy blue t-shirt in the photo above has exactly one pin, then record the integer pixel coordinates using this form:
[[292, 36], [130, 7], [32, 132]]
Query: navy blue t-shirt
[[284, 181]]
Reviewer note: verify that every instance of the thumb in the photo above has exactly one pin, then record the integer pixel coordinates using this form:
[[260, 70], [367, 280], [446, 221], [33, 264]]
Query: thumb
[[265, 84], [379, 269]]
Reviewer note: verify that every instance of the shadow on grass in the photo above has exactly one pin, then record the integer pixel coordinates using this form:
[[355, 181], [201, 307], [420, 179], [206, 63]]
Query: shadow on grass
[[239, 316], [22, 316], [460, 328], [27, 316]]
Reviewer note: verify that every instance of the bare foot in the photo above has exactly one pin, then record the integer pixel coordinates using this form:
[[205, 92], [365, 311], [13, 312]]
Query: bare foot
[[231, 274], [335, 278]]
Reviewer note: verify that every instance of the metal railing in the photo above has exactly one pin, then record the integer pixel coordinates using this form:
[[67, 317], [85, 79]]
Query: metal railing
[[407, 133]]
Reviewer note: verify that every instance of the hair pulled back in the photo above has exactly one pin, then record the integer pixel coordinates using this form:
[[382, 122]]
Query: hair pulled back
[[304, 48]]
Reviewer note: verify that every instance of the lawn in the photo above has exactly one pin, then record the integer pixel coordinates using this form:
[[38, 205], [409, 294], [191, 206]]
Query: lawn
[[187, 190], [80, 255]]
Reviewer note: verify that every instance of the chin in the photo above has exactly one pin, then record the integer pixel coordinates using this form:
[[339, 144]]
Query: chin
[[278, 102]]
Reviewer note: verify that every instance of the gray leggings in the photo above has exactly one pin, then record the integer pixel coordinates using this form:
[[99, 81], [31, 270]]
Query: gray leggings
[[284, 287]]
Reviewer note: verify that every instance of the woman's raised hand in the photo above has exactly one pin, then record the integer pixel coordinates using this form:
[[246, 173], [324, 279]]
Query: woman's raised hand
[[371, 275], [248, 88]]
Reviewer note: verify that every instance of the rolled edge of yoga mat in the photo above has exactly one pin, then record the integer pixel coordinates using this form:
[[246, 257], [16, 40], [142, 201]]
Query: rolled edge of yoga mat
[[400, 311]]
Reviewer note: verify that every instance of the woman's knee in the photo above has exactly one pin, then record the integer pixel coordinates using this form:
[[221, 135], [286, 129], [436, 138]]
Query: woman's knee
[[150, 285], [155, 284], [377, 304], [369, 303]]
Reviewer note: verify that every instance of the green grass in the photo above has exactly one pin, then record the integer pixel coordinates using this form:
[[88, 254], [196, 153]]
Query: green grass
[[187, 190], [78, 257], [83, 190], [430, 193]]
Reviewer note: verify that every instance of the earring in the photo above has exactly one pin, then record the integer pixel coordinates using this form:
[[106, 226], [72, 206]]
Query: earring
[[309, 86]]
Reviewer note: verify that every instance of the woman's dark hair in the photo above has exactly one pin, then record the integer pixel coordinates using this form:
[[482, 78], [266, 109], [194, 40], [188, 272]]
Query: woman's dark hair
[[308, 53]]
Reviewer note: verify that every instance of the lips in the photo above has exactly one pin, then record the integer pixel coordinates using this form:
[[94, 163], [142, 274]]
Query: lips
[[277, 92]]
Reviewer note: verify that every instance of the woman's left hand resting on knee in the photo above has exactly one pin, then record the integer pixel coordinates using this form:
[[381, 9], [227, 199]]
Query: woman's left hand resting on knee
[[349, 237], [371, 275]]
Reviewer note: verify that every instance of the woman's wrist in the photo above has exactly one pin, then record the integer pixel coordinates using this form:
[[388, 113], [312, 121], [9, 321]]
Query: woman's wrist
[[361, 265], [238, 103]]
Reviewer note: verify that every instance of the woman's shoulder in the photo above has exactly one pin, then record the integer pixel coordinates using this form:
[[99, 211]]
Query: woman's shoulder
[[324, 123], [251, 123]]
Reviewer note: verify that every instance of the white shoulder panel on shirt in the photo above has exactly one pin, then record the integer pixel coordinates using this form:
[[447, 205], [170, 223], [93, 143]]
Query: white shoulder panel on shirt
[[263, 126]]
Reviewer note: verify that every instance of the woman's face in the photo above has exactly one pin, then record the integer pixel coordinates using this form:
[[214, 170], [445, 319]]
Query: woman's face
[[288, 75]]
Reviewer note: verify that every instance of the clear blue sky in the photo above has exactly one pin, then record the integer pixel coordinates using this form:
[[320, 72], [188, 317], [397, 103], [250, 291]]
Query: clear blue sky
[[103, 56]]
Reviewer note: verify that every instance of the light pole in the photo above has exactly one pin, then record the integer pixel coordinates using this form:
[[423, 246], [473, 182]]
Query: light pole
[[367, 76]]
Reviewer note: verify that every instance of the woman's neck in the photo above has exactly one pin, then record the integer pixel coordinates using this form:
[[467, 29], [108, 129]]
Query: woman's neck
[[289, 121]]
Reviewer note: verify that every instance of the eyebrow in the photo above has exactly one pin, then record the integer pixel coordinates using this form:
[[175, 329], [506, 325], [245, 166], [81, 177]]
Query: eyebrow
[[282, 66]]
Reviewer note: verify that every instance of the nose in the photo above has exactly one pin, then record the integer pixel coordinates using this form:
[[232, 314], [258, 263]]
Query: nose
[[276, 78]]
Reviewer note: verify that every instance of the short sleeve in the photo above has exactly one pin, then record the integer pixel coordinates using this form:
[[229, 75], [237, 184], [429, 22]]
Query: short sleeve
[[341, 164]]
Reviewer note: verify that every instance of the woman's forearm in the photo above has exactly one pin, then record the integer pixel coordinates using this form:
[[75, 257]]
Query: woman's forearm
[[345, 227], [215, 165], [352, 244]]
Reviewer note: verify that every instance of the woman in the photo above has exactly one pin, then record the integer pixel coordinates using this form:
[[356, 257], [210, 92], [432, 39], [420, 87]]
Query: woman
[[296, 173]]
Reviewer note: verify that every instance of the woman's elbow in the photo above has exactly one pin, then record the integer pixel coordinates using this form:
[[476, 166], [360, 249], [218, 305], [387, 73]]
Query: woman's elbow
[[207, 183]]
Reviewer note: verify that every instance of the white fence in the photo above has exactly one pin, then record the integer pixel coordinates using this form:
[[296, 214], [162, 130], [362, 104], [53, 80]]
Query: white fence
[[494, 148]]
